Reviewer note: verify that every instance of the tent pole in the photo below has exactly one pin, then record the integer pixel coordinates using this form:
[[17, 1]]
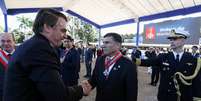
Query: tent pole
[[99, 37], [137, 34], [5, 23]]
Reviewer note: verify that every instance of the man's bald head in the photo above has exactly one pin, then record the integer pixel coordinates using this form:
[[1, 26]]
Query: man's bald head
[[7, 42]]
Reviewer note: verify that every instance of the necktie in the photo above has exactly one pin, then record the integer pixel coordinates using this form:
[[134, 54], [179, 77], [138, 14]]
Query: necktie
[[177, 58]]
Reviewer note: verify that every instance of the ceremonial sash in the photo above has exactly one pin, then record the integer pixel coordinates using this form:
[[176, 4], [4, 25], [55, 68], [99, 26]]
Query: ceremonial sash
[[4, 59], [108, 63]]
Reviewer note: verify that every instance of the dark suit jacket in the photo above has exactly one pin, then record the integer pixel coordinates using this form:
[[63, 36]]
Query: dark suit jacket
[[70, 67], [168, 67], [33, 74], [196, 55], [88, 55], [135, 54], [2, 72], [121, 84], [149, 54]]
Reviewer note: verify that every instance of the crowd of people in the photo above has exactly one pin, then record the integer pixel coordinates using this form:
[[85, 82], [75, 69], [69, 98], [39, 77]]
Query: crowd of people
[[46, 67]]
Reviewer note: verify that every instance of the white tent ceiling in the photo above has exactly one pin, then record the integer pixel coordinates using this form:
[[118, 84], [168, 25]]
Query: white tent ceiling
[[104, 12]]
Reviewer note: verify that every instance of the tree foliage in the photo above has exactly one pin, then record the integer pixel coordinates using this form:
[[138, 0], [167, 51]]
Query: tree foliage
[[24, 29], [81, 30], [88, 33], [128, 36]]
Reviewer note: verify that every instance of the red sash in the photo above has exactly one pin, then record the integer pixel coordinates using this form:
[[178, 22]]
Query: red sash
[[4, 59], [108, 63]]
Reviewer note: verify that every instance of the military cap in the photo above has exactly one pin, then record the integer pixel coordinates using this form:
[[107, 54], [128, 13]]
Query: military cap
[[178, 34]]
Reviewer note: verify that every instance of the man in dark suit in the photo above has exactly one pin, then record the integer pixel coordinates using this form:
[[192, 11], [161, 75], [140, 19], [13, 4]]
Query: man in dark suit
[[136, 53], [70, 65], [180, 72], [34, 68], [88, 60], [155, 70], [8, 47], [114, 76]]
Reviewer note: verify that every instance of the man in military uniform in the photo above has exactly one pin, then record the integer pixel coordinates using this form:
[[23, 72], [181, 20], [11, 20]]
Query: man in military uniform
[[180, 71]]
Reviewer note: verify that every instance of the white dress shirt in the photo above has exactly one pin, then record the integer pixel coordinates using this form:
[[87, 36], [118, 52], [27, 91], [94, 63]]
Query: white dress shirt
[[180, 55]]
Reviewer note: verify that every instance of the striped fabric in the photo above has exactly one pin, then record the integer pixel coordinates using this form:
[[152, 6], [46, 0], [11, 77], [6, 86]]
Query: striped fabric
[[3, 59]]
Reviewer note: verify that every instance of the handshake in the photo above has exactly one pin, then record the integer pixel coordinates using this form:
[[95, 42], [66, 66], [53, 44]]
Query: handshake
[[87, 88]]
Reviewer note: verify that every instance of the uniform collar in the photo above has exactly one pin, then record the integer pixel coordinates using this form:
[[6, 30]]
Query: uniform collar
[[180, 54]]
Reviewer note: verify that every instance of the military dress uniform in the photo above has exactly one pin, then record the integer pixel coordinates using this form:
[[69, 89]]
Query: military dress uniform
[[169, 82], [180, 75]]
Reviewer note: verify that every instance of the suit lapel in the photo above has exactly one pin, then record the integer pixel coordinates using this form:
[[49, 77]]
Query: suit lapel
[[183, 58], [182, 61], [172, 60], [102, 69]]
